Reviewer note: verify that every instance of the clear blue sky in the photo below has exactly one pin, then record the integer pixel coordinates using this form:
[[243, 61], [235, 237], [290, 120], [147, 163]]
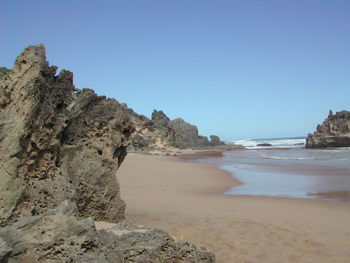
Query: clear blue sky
[[239, 69]]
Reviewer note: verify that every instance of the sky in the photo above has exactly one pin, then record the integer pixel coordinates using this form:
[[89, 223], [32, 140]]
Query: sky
[[238, 69]]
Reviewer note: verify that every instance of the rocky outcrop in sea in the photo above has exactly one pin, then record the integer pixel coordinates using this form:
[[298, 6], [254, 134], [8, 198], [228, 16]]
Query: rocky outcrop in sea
[[334, 132], [60, 149]]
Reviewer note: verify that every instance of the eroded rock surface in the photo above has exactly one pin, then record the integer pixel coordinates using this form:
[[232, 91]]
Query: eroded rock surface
[[59, 235], [150, 245], [60, 149], [334, 132], [56, 145]]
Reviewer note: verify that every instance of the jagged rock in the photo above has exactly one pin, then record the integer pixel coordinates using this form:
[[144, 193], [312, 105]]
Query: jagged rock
[[159, 117], [143, 136], [55, 148], [334, 132], [148, 132], [59, 152], [140, 121], [95, 142]]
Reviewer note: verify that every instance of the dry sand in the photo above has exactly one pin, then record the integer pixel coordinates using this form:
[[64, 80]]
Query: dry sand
[[185, 199]]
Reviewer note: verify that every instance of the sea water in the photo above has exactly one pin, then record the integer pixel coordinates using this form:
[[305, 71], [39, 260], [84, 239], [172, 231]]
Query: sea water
[[286, 169]]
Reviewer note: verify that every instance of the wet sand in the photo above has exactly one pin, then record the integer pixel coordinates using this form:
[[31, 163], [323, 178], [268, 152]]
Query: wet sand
[[294, 172], [185, 199]]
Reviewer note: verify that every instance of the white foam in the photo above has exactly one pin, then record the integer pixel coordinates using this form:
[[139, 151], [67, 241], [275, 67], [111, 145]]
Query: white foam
[[265, 155], [275, 143]]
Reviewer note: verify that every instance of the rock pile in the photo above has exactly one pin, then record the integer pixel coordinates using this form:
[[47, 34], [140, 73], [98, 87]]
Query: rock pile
[[59, 151]]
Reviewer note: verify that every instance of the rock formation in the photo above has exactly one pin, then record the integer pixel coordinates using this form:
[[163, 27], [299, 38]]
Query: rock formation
[[185, 135], [59, 152], [159, 117], [150, 245], [215, 140], [334, 132], [53, 143], [59, 235], [162, 133]]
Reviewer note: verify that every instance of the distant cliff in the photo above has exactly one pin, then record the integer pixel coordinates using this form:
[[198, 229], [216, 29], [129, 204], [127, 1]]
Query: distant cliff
[[161, 133], [334, 132], [60, 149]]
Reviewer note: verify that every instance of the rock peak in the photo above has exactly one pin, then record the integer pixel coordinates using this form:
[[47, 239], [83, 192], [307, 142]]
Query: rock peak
[[160, 118], [32, 55]]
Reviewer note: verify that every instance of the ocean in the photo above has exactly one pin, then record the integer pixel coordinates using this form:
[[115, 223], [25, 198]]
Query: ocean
[[292, 142], [287, 169]]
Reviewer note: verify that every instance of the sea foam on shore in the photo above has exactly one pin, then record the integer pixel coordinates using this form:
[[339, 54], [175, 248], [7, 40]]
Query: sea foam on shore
[[287, 142]]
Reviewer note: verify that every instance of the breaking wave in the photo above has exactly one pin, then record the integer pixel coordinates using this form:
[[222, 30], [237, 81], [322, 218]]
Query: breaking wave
[[295, 142]]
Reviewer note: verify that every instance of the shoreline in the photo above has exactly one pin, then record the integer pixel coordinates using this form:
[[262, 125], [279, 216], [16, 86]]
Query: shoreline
[[330, 196], [294, 171], [231, 181], [187, 199], [227, 180]]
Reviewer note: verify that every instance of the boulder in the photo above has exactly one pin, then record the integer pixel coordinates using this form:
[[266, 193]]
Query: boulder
[[334, 132]]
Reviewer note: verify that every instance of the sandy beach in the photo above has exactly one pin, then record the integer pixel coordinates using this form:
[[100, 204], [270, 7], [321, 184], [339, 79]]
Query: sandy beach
[[187, 200]]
